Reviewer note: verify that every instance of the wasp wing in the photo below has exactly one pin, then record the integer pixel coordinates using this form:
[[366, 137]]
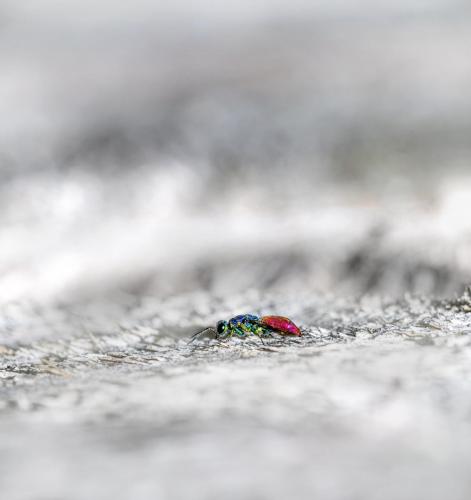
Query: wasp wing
[[281, 325]]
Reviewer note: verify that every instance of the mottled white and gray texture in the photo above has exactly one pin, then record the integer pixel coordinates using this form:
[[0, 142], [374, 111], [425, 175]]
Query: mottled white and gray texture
[[373, 402], [164, 165]]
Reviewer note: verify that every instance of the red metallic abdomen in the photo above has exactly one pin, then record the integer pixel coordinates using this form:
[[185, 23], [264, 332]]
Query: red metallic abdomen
[[281, 325]]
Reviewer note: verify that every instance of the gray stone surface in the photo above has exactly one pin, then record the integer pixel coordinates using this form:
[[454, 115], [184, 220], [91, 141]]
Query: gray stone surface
[[372, 402]]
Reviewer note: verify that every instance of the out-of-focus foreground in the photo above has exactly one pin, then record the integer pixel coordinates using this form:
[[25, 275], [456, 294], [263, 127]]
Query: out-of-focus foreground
[[166, 164]]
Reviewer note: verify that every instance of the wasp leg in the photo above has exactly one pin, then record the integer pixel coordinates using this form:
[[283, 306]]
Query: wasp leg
[[239, 331], [225, 336], [259, 337], [257, 333], [263, 330], [267, 332]]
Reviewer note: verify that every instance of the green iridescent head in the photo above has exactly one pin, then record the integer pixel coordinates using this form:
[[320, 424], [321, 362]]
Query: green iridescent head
[[221, 327]]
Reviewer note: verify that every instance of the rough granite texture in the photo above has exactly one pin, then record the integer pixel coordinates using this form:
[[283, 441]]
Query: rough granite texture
[[372, 402]]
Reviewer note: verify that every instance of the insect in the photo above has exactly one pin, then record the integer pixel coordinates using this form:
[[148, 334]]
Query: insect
[[249, 324]]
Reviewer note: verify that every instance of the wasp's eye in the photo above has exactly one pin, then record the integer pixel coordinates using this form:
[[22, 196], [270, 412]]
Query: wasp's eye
[[221, 326]]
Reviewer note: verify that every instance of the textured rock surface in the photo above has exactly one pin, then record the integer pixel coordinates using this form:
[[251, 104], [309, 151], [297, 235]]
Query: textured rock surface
[[373, 402]]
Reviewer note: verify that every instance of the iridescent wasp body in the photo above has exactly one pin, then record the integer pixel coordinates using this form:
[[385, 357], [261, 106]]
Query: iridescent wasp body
[[249, 324]]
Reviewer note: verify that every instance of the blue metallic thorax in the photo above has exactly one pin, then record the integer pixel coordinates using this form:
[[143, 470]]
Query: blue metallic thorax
[[243, 318]]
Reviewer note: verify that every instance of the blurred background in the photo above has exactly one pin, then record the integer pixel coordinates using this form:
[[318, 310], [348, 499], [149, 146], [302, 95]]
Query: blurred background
[[168, 163], [164, 147]]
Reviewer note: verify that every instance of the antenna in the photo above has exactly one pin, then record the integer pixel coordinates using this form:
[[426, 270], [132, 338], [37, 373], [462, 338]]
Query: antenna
[[199, 332]]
